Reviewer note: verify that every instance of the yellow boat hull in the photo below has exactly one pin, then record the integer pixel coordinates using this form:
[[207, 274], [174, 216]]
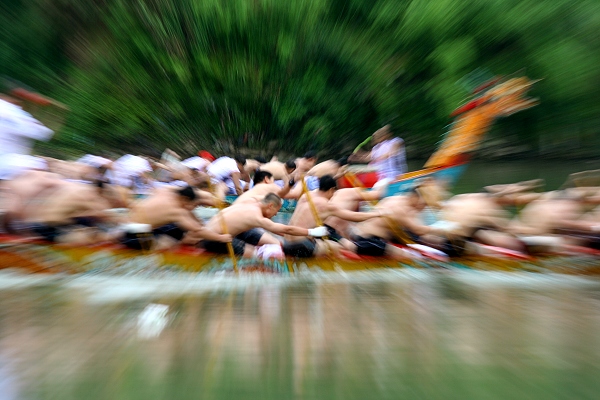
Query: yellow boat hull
[[45, 258]]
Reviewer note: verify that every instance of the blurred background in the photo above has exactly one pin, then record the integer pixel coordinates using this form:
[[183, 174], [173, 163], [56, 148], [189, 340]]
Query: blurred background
[[269, 76]]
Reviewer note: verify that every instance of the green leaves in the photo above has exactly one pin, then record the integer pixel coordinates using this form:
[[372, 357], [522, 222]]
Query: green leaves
[[222, 74]]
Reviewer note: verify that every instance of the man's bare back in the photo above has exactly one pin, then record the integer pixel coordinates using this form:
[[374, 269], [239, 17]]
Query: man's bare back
[[328, 167], [70, 200], [277, 169], [257, 193], [348, 199]]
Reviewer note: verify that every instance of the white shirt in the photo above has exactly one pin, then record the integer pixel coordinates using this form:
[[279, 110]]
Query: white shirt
[[393, 165], [18, 129], [126, 168], [94, 161], [222, 168], [198, 163], [12, 165]]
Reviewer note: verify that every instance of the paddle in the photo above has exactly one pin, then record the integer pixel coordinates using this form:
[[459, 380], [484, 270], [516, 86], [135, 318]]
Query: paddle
[[221, 206], [225, 232], [313, 210]]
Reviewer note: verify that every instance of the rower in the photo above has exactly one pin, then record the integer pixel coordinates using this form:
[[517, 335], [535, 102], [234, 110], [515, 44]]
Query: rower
[[263, 185], [304, 218], [400, 224], [479, 218], [247, 222], [350, 199], [168, 212], [282, 172], [228, 171], [335, 168], [305, 163], [24, 178], [70, 213]]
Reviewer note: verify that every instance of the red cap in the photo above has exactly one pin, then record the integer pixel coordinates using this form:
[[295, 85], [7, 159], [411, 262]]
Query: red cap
[[206, 155]]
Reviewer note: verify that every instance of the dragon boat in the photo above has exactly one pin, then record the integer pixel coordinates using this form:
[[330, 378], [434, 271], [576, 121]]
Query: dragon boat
[[492, 100]]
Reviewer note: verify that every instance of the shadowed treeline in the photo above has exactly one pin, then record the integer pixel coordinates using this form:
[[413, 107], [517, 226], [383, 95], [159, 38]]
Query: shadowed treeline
[[321, 74]]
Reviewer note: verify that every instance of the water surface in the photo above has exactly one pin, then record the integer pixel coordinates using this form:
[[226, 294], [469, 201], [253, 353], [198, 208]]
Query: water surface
[[383, 335]]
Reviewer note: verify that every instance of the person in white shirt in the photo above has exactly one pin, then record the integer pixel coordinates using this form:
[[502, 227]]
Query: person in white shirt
[[18, 133], [131, 172], [228, 170], [18, 129], [388, 156]]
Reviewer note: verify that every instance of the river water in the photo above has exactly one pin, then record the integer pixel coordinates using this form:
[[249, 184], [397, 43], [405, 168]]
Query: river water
[[388, 334], [384, 335], [481, 173]]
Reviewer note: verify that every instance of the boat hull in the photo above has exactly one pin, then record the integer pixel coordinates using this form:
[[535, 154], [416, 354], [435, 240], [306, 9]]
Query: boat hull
[[406, 181], [35, 257]]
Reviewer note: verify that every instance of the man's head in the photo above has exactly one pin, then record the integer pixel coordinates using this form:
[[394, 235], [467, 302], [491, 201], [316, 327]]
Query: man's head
[[290, 166], [261, 159], [240, 160], [327, 185], [188, 197], [342, 161], [416, 199], [270, 205], [309, 155], [262, 177], [382, 134]]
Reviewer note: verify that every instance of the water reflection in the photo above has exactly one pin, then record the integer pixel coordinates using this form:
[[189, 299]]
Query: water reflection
[[441, 337]]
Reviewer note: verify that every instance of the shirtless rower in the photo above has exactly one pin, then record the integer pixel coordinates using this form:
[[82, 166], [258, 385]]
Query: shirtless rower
[[305, 163], [252, 165], [168, 211], [304, 218], [65, 209], [244, 221], [335, 168], [373, 237], [263, 185], [557, 219], [479, 218], [281, 171], [350, 199]]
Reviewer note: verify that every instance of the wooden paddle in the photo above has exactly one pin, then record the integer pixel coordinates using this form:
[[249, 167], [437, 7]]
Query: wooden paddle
[[225, 232], [221, 206], [314, 212]]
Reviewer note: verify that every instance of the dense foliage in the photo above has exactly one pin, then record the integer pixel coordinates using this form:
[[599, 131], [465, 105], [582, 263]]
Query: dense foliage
[[298, 74]]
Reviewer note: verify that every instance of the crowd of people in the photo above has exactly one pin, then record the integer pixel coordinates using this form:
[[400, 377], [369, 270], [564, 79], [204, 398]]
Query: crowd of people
[[146, 204]]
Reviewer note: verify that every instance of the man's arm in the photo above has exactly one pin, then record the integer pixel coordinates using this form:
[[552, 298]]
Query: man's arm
[[286, 187], [235, 177], [370, 195], [281, 229], [206, 233], [413, 225], [207, 199], [188, 222], [294, 193], [352, 216]]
